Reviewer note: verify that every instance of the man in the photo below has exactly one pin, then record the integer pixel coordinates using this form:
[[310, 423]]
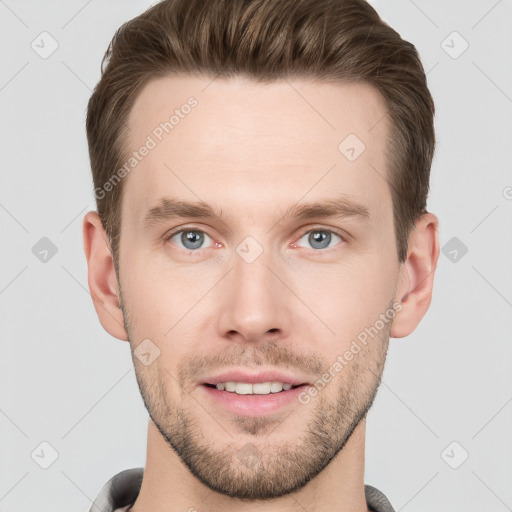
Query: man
[[261, 170]]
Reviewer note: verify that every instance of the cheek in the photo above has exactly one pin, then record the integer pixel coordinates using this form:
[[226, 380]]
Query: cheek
[[165, 301], [349, 297]]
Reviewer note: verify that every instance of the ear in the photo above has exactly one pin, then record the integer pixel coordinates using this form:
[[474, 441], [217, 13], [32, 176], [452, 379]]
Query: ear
[[416, 276], [102, 278]]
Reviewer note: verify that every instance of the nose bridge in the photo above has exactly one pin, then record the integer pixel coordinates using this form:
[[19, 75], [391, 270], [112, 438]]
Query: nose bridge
[[252, 297]]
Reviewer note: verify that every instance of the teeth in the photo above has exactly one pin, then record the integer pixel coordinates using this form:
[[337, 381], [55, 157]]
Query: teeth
[[260, 388]]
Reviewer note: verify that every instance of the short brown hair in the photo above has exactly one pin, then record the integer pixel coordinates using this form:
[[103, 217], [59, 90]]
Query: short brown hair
[[266, 40]]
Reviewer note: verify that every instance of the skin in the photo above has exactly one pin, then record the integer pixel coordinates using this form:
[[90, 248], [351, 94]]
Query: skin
[[253, 150]]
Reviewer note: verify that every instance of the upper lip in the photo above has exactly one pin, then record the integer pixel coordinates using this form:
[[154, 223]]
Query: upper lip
[[253, 378]]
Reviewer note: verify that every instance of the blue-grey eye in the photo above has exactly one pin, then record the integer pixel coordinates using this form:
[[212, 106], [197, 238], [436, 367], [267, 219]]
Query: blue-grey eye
[[319, 238], [190, 239]]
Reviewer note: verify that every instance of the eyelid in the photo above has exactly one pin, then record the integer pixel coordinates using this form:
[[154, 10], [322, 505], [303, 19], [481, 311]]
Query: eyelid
[[320, 227], [187, 227], [179, 229]]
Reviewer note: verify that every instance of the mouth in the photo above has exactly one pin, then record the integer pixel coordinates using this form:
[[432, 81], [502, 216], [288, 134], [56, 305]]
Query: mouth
[[242, 392]]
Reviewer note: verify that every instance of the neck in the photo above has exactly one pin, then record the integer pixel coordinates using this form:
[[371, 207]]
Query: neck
[[169, 486]]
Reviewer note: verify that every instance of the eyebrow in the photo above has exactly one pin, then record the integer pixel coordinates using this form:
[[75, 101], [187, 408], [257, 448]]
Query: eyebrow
[[342, 206]]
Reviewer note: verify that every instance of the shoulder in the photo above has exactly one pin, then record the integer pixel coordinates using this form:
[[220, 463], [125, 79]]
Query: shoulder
[[376, 500], [120, 491]]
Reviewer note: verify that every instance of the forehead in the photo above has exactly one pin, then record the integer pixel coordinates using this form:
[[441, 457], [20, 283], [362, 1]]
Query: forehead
[[245, 145]]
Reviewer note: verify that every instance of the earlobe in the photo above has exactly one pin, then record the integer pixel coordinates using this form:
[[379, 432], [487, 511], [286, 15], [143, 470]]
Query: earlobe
[[102, 278], [417, 275]]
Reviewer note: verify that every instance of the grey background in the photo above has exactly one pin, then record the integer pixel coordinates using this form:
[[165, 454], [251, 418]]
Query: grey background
[[66, 382]]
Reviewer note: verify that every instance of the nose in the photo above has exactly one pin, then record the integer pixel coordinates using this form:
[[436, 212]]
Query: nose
[[253, 303]]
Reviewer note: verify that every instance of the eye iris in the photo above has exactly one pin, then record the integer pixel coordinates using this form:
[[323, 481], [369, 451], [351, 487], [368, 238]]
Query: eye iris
[[322, 237], [192, 237]]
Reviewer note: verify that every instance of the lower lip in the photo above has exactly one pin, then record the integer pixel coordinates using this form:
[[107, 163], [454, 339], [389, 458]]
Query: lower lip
[[254, 405]]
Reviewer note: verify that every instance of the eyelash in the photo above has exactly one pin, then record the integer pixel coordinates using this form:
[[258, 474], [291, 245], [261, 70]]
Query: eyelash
[[310, 230]]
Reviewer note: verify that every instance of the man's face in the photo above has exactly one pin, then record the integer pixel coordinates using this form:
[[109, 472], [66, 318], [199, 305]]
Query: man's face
[[259, 288]]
